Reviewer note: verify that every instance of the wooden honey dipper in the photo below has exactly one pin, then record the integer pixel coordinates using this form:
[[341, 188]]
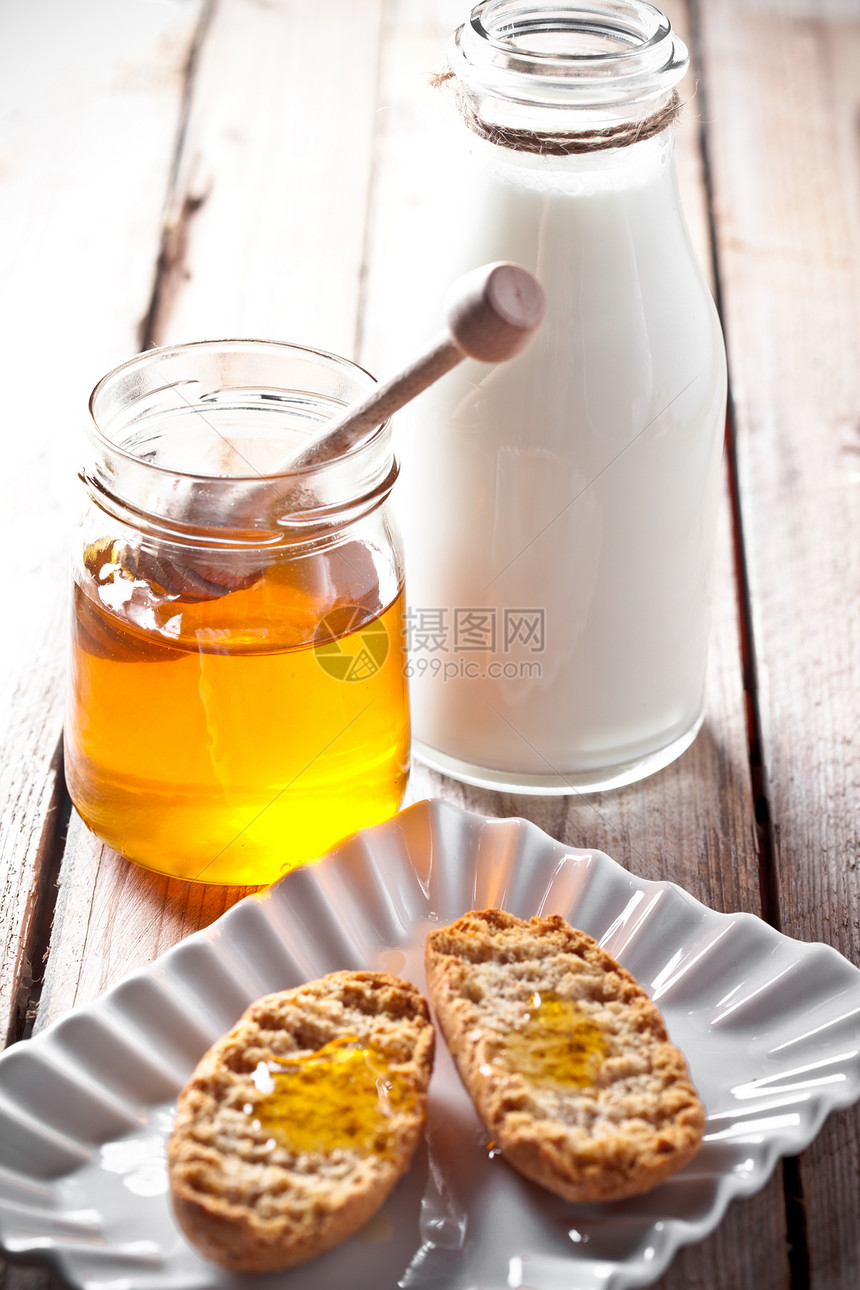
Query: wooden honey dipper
[[491, 314]]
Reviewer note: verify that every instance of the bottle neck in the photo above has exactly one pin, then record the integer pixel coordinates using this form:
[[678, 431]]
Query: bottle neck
[[558, 79]]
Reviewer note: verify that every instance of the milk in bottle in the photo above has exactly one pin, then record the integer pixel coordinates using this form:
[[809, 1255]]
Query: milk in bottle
[[559, 510]]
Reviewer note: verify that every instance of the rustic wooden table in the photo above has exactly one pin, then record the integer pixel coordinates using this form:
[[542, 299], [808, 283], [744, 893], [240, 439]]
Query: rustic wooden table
[[237, 167]]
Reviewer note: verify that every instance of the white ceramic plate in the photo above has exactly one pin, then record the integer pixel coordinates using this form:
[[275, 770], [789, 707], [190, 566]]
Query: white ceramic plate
[[769, 1026]]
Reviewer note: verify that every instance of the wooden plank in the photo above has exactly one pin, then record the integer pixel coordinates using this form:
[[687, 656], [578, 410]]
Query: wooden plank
[[33, 792], [693, 822], [261, 228], [90, 96], [265, 229], [784, 96], [90, 99], [22, 1277], [126, 918]]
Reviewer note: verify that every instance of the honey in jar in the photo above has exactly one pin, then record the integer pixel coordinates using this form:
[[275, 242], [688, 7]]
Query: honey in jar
[[236, 701]]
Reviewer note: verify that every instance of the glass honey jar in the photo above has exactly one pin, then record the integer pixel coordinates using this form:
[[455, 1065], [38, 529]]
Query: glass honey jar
[[236, 699]]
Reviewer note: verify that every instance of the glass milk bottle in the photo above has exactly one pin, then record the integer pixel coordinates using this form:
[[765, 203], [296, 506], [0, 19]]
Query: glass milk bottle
[[560, 509]]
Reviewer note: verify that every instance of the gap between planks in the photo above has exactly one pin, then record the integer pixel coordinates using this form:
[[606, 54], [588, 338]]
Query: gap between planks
[[175, 227], [792, 1183], [33, 950]]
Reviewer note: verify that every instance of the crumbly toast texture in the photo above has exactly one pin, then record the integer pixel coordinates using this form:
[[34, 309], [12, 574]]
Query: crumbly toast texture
[[636, 1121], [243, 1195]]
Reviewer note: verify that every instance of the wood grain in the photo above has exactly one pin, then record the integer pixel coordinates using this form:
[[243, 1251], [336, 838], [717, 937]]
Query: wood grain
[[784, 97], [32, 788], [89, 100], [259, 228], [130, 916], [264, 233]]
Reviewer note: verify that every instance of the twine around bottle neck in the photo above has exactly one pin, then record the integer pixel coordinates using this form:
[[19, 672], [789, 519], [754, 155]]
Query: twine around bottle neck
[[566, 143]]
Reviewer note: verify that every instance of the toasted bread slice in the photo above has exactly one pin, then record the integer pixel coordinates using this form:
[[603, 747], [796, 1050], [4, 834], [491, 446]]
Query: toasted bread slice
[[295, 1126], [564, 1055]]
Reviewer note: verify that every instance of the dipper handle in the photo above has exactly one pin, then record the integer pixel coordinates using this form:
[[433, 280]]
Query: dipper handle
[[492, 313]]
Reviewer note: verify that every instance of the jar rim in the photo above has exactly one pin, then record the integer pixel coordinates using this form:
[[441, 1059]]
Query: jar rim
[[98, 432], [256, 399], [498, 51]]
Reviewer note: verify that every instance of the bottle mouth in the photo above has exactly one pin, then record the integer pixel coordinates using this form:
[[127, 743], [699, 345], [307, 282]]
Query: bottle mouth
[[614, 53]]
